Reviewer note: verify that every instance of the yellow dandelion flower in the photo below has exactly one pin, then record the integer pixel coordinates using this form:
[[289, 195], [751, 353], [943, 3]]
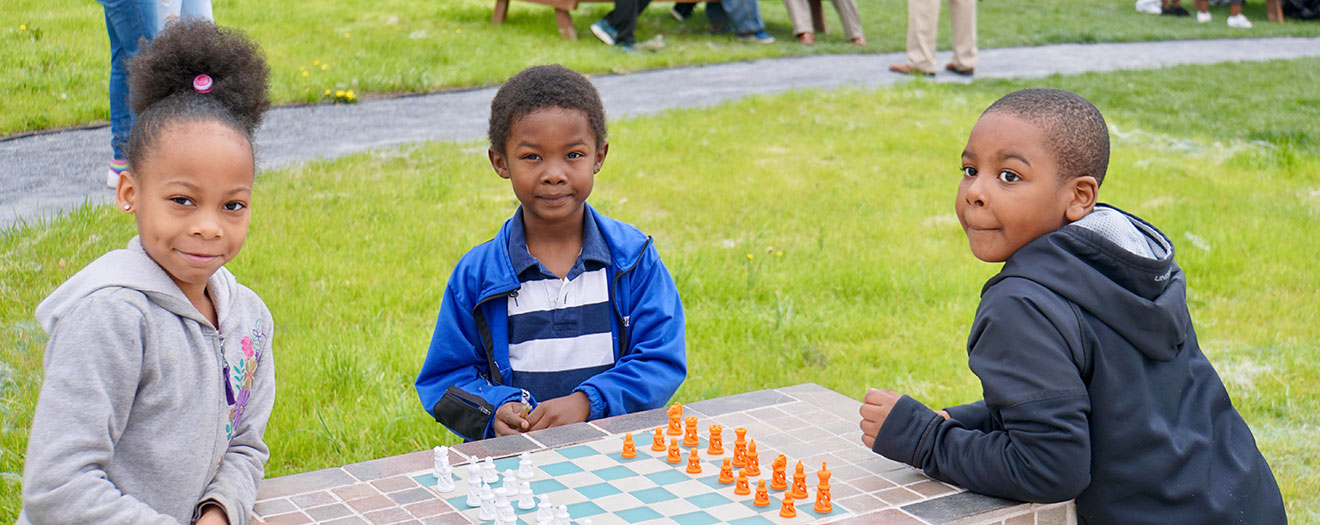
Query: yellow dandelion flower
[[346, 35], [458, 30], [304, 73], [350, 94], [750, 256], [325, 66], [22, 27], [327, 92], [779, 253], [316, 62], [339, 93]]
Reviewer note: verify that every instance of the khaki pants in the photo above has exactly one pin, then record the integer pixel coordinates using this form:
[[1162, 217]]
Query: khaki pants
[[800, 14], [923, 19]]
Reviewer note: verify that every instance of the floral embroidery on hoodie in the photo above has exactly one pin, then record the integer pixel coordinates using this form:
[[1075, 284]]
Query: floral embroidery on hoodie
[[242, 374]]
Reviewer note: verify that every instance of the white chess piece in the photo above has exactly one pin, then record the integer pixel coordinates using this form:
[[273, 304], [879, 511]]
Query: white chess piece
[[561, 516], [525, 501], [525, 467], [545, 514], [504, 512], [488, 474], [586, 521], [444, 481], [474, 473], [510, 482], [474, 495], [487, 512]]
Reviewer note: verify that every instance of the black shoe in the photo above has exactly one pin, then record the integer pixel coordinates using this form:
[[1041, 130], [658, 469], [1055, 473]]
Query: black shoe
[[1174, 11]]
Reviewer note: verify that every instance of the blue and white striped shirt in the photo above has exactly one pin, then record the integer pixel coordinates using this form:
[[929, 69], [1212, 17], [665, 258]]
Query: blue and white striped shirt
[[559, 329]]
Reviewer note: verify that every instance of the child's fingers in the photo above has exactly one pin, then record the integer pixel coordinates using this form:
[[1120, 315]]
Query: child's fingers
[[877, 396], [537, 416]]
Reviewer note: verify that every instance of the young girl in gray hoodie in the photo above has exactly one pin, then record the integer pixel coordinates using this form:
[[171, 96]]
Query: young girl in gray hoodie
[[159, 377]]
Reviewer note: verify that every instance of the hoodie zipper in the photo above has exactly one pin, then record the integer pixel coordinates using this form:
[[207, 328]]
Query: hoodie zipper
[[625, 320]]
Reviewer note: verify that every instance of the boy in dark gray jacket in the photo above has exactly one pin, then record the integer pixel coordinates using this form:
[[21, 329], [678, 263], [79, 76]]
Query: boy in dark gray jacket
[[1094, 385]]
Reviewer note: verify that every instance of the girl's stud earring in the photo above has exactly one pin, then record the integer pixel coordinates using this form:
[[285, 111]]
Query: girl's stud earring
[[127, 206]]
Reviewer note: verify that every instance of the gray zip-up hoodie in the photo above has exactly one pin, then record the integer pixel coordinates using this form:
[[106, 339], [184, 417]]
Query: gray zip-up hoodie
[[147, 410]]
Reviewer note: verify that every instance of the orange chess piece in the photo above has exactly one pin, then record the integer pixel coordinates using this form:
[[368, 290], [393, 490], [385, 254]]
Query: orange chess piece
[[658, 444], [753, 459], [742, 489], [762, 495], [726, 472], [690, 438], [823, 504], [674, 455], [788, 510], [799, 482], [629, 448], [675, 414], [740, 448], [778, 480], [694, 463], [716, 440]]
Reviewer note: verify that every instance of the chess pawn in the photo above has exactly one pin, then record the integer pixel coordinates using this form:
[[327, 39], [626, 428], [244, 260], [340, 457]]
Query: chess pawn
[[674, 455], [488, 474], [675, 415], [799, 482], [742, 489], [504, 513], [740, 448], [690, 438], [629, 448], [510, 482], [788, 510], [487, 512], [525, 468], [444, 481], [762, 495], [716, 440], [658, 443], [753, 460], [561, 516], [726, 472], [525, 501], [778, 478], [694, 463], [544, 512]]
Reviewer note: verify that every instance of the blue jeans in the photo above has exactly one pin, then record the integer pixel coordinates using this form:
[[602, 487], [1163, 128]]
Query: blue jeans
[[181, 9], [744, 16], [127, 22]]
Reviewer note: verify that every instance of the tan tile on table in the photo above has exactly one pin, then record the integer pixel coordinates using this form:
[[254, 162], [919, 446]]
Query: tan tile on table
[[884, 517], [390, 515], [1021, 519], [272, 507], [898, 496], [371, 503], [428, 508], [314, 499], [328, 512], [931, 488], [292, 518], [355, 491], [393, 484]]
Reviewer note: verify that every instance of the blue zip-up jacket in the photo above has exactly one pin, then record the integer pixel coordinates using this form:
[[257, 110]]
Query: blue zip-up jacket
[[463, 380], [1095, 389]]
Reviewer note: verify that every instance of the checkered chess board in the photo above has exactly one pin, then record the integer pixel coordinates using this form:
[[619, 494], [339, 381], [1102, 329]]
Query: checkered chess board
[[580, 467]]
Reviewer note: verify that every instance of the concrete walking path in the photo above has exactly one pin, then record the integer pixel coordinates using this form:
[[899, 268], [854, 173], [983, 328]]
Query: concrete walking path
[[53, 172]]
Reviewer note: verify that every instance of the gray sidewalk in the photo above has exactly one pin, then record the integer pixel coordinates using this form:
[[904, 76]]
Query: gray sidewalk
[[50, 173]]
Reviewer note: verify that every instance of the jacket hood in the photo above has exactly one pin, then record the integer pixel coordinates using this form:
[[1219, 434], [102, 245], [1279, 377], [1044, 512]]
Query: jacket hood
[[1117, 268], [132, 268], [626, 244]]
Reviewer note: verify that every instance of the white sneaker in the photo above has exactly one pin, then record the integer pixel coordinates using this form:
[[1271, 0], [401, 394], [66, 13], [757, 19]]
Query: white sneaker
[[1203, 16], [1239, 21], [1150, 7]]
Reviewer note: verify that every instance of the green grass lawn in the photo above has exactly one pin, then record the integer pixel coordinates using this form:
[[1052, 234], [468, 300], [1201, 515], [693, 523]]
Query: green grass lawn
[[811, 235], [55, 54]]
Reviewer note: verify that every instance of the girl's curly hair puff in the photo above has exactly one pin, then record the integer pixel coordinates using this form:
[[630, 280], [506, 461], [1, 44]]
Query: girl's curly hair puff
[[161, 82]]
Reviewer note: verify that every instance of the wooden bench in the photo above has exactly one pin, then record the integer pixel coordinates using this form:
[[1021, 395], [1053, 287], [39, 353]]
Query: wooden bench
[[565, 20]]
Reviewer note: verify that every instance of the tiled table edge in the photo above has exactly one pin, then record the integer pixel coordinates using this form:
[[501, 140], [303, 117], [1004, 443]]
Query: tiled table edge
[[323, 482]]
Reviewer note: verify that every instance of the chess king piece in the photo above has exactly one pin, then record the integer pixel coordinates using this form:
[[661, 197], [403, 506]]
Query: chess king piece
[[674, 455], [762, 495], [690, 438], [788, 510], [658, 443], [779, 479], [716, 440], [799, 482], [742, 488], [753, 459], [726, 472], [440, 460], [694, 463], [823, 504], [675, 416], [740, 447]]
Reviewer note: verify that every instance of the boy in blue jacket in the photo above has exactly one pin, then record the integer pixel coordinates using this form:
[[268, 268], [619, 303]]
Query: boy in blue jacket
[[1094, 385], [567, 315]]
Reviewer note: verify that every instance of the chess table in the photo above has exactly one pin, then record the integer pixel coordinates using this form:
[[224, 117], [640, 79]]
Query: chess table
[[580, 466]]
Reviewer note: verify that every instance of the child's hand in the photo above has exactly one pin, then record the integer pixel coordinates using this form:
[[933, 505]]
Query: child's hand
[[572, 408], [875, 409], [212, 514], [509, 419]]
